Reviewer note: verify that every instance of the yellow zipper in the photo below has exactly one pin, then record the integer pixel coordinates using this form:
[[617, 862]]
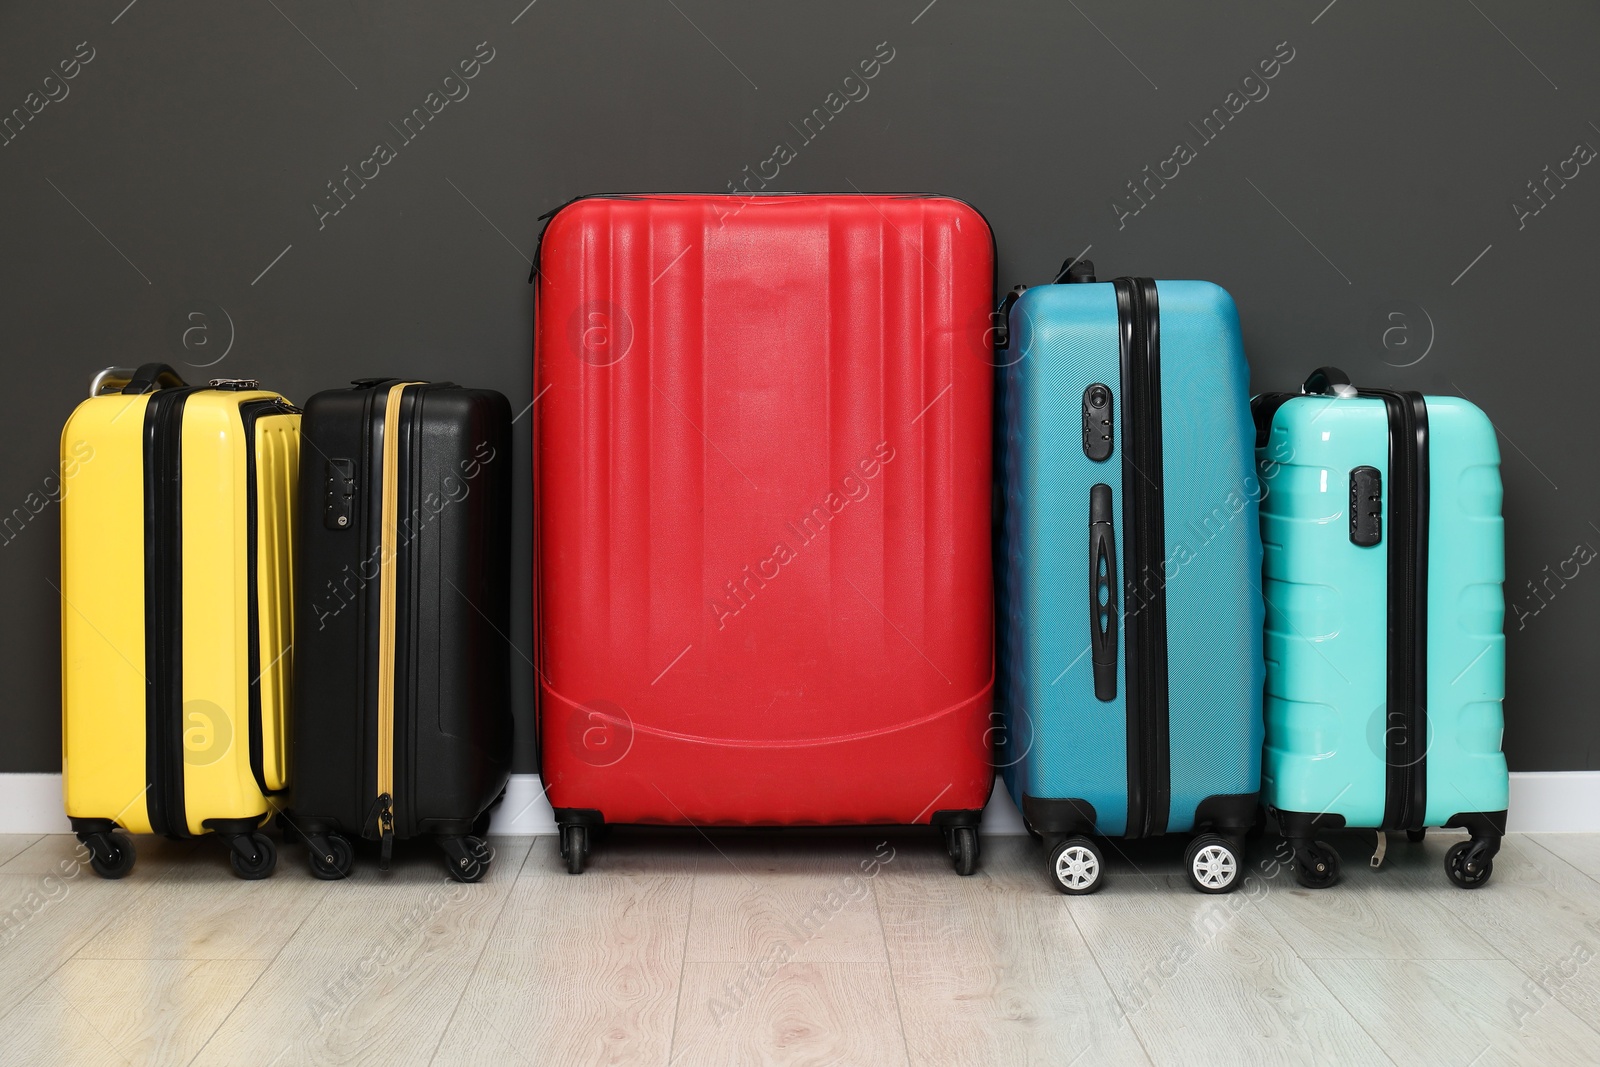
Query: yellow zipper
[[388, 547]]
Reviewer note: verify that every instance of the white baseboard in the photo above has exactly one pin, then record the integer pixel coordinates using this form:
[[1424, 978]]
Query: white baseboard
[[1541, 802], [1554, 802]]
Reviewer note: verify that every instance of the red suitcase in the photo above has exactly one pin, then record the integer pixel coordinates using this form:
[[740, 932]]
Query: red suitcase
[[763, 509]]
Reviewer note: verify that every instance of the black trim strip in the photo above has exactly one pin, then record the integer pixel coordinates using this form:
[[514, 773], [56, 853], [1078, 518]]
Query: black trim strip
[[1406, 714], [163, 611], [1145, 598]]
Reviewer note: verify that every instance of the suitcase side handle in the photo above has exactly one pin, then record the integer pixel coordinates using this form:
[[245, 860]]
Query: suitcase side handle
[[1328, 381], [1103, 591]]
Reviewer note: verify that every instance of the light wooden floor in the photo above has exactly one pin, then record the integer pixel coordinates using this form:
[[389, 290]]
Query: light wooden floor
[[763, 948]]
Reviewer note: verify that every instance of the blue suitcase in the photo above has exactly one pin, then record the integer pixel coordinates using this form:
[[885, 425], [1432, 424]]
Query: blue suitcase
[[1129, 555], [1385, 560]]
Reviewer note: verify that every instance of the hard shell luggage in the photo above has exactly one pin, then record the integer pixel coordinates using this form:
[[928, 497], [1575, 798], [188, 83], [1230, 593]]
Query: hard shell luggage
[[762, 484], [402, 711], [1385, 558], [1130, 614], [176, 642]]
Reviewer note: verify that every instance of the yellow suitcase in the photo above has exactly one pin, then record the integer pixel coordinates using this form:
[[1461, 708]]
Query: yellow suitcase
[[176, 649]]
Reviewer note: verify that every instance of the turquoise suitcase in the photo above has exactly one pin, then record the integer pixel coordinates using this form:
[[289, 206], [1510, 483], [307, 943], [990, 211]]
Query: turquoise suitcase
[[1384, 563], [1129, 665]]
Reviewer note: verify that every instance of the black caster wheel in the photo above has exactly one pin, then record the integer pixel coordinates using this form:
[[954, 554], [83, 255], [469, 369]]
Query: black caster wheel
[[254, 856], [331, 858], [1416, 836], [1469, 864], [1316, 865], [1213, 863], [110, 854], [1076, 866], [575, 847], [964, 849], [481, 850], [466, 858]]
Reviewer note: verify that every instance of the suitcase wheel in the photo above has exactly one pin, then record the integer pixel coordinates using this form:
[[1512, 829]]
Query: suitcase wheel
[[1075, 866], [1470, 863], [1213, 864], [1316, 865], [1416, 836], [331, 856], [110, 854], [575, 847], [962, 842], [466, 858], [254, 855]]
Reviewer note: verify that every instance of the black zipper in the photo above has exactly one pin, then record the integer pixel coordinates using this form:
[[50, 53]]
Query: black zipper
[[249, 413], [163, 611], [1406, 714], [1145, 598]]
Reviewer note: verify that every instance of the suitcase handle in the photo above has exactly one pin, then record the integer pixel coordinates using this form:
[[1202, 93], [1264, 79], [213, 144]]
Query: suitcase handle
[[1103, 591], [1328, 381], [151, 377], [1074, 271], [115, 380], [1000, 326], [370, 383]]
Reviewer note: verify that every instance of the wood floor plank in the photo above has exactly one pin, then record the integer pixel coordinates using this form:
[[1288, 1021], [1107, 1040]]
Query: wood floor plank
[[753, 901], [1206, 980], [794, 1014], [1454, 1012], [1393, 912], [373, 973], [13, 844], [624, 850], [204, 911], [1537, 910], [580, 970], [44, 1030], [987, 973], [47, 918], [1580, 850], [60, 853], [155, 1011]]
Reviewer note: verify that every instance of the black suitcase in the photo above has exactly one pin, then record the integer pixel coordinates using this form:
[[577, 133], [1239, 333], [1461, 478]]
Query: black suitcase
[[402, 717]]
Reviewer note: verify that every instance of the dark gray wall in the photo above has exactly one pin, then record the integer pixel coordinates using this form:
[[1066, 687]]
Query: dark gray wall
[[1383, 161]]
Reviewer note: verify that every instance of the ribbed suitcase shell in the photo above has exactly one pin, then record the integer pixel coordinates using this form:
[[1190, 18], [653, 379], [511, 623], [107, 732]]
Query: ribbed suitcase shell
[[763, 484], [452, 714], [106, 674], [1061, 741], [1327, 618]]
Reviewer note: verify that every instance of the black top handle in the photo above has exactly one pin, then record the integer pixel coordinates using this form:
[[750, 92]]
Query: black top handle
[[373, 383], [152, 376], [1328, 381], [1073, 271]]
